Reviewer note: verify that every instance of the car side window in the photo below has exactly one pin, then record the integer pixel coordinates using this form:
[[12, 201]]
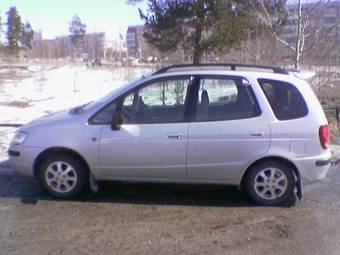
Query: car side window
[[225, 99], [284, 98], [105, 115], [159, 102]]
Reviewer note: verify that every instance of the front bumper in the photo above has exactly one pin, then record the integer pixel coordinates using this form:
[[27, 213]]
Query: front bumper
[[22, 158], [12, 153]]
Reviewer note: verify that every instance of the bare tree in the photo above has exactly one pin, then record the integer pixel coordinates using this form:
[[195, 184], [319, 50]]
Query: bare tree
[[297, 26], [258, 48]]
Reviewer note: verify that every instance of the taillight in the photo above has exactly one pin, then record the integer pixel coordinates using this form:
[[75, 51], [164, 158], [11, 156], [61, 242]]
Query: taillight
[[325, 136]]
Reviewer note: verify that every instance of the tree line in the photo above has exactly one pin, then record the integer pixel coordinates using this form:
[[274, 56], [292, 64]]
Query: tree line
[[208, 28], [215, 27], [19, 35]]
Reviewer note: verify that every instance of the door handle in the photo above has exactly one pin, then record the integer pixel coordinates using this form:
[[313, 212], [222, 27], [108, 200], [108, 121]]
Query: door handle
[[175, 136], [260, 134]]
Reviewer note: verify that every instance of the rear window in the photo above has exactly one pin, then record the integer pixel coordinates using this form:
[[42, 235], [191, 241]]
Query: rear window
[[286, 101]]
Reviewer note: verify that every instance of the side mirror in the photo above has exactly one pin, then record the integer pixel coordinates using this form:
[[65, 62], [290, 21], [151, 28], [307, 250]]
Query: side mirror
[[117, 120]]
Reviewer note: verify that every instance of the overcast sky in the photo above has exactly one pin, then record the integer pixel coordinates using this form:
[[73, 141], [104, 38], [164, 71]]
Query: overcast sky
[[52, 16]]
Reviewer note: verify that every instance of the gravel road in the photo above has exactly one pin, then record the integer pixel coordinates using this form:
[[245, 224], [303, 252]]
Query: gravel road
[[166, 219]]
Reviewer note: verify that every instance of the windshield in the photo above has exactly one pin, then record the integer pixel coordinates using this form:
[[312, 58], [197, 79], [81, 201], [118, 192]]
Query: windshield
[[93, 104], [89, 105]]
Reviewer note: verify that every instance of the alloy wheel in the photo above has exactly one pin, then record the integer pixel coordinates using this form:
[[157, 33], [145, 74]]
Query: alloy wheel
[[270, 183], [61, 177]]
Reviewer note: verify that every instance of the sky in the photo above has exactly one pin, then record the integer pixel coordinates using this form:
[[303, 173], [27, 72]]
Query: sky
[[53, 16]]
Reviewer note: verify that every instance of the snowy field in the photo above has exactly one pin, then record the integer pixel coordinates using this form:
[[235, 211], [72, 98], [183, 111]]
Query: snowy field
[[29, 94], [42, 89]]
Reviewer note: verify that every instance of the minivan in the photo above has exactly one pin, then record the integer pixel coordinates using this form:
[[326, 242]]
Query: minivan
[[259, 128]]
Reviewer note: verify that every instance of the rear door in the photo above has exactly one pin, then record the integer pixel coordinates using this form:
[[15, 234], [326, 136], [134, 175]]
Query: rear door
[[227, 129]]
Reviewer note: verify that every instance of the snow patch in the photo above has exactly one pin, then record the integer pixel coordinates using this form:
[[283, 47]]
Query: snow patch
[[53, 89]]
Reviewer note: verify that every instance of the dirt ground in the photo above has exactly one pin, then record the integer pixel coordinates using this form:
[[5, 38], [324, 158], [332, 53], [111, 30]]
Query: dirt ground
[[166, 219]]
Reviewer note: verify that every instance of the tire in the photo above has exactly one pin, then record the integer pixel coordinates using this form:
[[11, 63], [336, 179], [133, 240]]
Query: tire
[[63, 176], [270, 183]]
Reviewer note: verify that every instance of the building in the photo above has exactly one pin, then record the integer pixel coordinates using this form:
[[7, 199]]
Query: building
[[93, 45], [322, 34], [62, 47], [134, 38], [115, 48], [37, 36], [138, 47]]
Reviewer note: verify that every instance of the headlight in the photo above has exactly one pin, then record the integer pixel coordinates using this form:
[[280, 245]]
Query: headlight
[[19, 137]]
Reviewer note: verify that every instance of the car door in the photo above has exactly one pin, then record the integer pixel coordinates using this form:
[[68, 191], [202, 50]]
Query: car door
[[152, 141], [227, 129]]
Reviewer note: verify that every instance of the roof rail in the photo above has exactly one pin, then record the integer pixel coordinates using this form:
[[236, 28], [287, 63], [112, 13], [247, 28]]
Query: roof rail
[[232, 67]]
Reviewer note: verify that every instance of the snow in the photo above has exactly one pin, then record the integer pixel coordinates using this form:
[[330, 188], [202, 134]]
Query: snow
[[53, 89], [50, 88], [335, 151]]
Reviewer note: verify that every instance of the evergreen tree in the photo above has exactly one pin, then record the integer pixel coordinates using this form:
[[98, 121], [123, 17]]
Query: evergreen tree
[[27, 35], [14, 29], [197, 26], [77, 31]]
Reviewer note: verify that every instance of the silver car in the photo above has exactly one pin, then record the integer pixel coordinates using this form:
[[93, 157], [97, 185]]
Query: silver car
[[260, 128]]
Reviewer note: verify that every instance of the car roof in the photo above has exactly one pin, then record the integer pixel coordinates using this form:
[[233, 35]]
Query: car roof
[[244, 71], [232, 69], [245, 74]]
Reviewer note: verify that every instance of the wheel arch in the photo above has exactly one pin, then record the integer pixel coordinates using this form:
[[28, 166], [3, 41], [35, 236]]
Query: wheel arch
[[283, 160], [50, 151]]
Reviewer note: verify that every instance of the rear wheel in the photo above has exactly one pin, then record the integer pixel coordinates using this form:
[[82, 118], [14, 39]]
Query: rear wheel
[[63, 176], [270, 183]]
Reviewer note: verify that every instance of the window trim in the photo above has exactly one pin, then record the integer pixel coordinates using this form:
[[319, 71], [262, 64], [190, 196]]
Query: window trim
[[196, 84], [141, 86], [261, 80]]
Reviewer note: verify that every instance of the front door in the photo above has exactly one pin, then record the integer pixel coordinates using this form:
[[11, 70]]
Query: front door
[[152, 141]]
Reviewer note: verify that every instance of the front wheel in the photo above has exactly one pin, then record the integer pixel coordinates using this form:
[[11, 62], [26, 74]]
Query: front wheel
[[270, 183], [63, 176]]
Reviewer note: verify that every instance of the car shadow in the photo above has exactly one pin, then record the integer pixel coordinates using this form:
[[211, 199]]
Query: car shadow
[[29, 191], [170, 194]]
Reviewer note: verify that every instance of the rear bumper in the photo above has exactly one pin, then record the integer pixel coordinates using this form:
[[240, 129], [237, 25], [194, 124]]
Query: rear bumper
[[314, 168], [322, 162]]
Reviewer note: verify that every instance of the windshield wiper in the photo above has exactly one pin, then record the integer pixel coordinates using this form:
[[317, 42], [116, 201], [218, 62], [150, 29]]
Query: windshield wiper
[[79, 109]]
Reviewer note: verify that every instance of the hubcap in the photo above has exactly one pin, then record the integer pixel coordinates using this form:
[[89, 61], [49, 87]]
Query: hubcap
[[61, 177], [270, 183]]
